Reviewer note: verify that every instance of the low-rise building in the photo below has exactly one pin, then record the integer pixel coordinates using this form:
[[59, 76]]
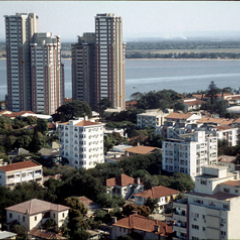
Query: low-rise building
[[191, 104], [90, 205], [81, 142], [163, 195], [141, 227], [17, 152], [124, 186], [228, 161], [188, 153], [34, 213], [140, 150], [20, 172], [7, 235], [211, 211]]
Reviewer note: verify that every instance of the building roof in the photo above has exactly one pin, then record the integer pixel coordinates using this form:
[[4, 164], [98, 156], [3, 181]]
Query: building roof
[[223, 127], [88, 202], [51, 126], [49, 152], [17, 114], [140, 149], [229, 98], [35, 206], [19, 151], [232, 183], [43, 234], [19, 165], [222, 121], [144, 224], [85, 123], [6, 234], [157, 192], [194, 102], [122, 180], [237, 120], [219, 95], [176, 115], [218, 196], [227, 159]]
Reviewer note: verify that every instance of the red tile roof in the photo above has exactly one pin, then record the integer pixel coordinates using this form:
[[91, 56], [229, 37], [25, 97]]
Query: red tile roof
[[51, 126], [219, 95], [157, 192], [17, 114], [193, 103], [219, 195], [19, 165], [43, 234], [144, 224], [85, 200], [237, 120], [85, 123], [35, 206], [141, 149], [232, 183], [222, 121], [122, 180], [223, 127], [175, 115]]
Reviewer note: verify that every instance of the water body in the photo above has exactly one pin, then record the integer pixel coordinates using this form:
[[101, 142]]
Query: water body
[[147, 75]]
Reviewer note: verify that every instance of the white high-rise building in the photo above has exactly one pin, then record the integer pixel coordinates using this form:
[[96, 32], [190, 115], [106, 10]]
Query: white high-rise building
[[81, 142], [20, 29], [110, 60], [189, 153], [46, 73]]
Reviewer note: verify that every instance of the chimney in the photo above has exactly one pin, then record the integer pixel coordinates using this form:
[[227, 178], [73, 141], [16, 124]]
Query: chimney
[[114, 219], [156, 228], [138, 180], [86, 118]]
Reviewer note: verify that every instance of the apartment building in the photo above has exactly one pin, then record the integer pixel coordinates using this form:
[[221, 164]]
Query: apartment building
[[211, 211], [84, 69], [188, 153], [46, 73], [20, 29], [20, 172], [81, 142], [34, 213], [110, 60], [191, 104]]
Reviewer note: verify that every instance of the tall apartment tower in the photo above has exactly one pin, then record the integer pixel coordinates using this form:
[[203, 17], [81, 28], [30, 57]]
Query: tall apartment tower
[[20, 29], [46, 73], [110, 60], [83, 69]]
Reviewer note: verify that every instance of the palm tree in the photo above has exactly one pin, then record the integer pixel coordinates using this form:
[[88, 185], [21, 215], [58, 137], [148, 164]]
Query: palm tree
[[226, 89]]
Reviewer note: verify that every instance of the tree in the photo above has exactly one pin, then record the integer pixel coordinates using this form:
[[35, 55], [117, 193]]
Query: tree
[[50, 224], [103, 105], [179, 106], [20, 231], [152, 204], [35, 144], [140, 209], [72, 109], [42, 125], [212, 91], [225, 90]]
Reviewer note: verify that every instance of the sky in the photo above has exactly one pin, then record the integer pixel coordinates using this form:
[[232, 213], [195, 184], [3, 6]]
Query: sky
[[140, 19]]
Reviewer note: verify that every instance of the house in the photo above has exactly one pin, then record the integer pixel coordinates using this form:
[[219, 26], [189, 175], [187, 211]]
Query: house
[[20, 172], [51, 129], [123, 186], [228, 161], [140, 150], [13, 115], [90, 205], [233, 99], [49, 156], [17, 152], [34, 213], [163, 195], [5, 112], [211, 210], [7, 235], [131, 105], [191, 104], [141, 227], [81, 142]]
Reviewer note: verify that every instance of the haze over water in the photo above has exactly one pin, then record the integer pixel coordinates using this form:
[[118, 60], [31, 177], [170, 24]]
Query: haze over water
[[147, 75]]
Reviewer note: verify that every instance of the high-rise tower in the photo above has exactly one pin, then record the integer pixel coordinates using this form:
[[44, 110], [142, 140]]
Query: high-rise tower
[[20, 29], [83, 69], [110, 60], [46, 69]]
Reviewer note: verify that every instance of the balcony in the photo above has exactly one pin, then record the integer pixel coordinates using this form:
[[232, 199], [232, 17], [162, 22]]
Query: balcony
[[180, 229]]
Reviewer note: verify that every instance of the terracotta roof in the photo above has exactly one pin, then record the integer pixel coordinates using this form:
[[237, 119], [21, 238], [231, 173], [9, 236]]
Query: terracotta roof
[[144, 224], [157, 192], [219, 95], [141, 149], [218, 195], [43, 234], [19, 165], [88, 202], [226, 158], [232, 183], [223, 127], [237, 120], [66, 123], [192, 103], [222, 121], [175, 115], [35, 206], [232, 98], [85, 123], [122, 180], [51, 126], [17, 114]]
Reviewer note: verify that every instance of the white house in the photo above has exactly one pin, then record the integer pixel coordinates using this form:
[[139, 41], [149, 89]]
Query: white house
[[20, 172], [163, 195], [81, 142], [124, 186], [33, 213], [191, 104]]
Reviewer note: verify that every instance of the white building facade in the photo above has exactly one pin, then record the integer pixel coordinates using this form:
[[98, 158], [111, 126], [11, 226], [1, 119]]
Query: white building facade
[[81, 142], [189, 153]]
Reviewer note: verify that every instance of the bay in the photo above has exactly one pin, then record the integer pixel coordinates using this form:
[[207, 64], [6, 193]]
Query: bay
[[147, 75]]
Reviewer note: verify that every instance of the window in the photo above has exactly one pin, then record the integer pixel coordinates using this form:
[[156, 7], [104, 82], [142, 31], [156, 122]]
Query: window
[[223, 233], [35, 218], [53, 215], [203, 182], [195, 238], [203, 216], [226, 190], [10, 215], [203, 228], [63, 215], [225, 206], [211, 204], [23, 218], [195, 227]]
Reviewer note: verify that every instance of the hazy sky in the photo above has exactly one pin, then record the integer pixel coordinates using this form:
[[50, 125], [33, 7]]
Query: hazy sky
[[69, 19]]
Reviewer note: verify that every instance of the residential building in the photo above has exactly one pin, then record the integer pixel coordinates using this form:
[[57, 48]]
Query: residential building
[[20, 29], [228, 161], [90, 205], [110, 60], [34, 213], [233, 99], [81, 142], [141, 228], [46, 73], [191, 104], [188, 153], [211, 211], [163, 195], [124, 186], [20, 172], [84, 69], [17, 152], [140, 150]]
